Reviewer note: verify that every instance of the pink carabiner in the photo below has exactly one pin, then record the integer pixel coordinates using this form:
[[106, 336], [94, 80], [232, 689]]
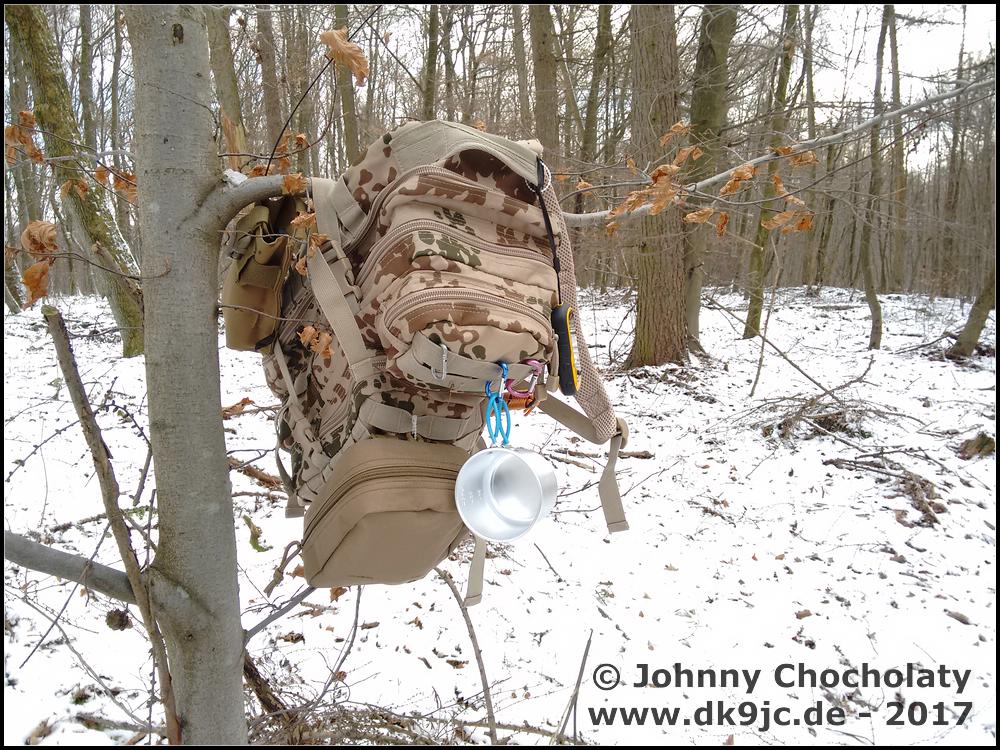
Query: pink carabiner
[[537, 367]]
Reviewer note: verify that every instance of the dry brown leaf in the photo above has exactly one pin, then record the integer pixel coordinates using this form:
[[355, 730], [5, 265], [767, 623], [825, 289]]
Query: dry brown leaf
[[803, 614], [336, 592], [661, 195], [316, 241], [664, 170], [301, 141], [370, 625], [347, 53], [630, 163], [721, 223], [700, 216], [307, 334], [35, 154], [298, 572], [583, 185], [779, 220], [804, 158], [237, 408], [779, 185], [294, 184], [101, 174], [677, 129], [731, 187], [457, 663], [321, 344], [805, 223], [74, 185], [39, 239], [26, 118], [303, 221], [744, 172], [36, 281], [300, 267], [611, 228], [479, 125], [696, 153], [560, 177], [783, 151], [259, 171], [683, 154], [632, 201]]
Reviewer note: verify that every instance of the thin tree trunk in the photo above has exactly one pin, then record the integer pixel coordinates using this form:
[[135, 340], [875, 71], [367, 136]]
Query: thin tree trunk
[[430, 65], [978, 315], [759, 255], [270, 92], [660, 330], [521, 66], [86, 82], [947, 260], [54, 113], [543, 43], [176, 168], [345, 85], [708, 114], [227, 91], [874, 191]]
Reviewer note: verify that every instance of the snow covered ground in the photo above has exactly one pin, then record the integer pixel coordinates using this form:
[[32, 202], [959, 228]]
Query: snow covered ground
[[748, 548]]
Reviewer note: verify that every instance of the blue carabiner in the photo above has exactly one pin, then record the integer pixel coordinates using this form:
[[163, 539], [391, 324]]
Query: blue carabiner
[[497, 411]]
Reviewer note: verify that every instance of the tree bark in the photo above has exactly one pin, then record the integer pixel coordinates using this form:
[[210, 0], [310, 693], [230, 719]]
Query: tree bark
[[897, 277], [874, 192], [177, 170], [345, 85], [54, 112], [269, 75], [543, 44], [430, 65], [521, 66], [760, 252], [660, 330], [708, 114], [86, 81], [978, 315], [227, 91]]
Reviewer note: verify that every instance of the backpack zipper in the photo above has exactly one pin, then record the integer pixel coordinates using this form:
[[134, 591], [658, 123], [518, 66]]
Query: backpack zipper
[[385, 472], [415, 225]]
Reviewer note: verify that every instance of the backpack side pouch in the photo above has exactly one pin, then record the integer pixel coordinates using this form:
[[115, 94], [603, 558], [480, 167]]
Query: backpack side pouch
[[388, 514], [252, 289]]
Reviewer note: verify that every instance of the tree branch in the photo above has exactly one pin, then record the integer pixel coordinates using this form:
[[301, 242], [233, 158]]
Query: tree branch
[[602, 217], [100, 578]]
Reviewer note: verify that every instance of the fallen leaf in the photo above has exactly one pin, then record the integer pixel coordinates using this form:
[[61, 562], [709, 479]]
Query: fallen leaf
[[416, 621], [298, 572], [802, 614], [292, 638], [237, 408], [347, 53], [958, 616], [307, 334], [457, 663], [370, 625], [336, 592]]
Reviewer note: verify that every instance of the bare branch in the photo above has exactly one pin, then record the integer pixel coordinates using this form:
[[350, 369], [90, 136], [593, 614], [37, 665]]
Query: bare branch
[[602, 217], [100, 578]]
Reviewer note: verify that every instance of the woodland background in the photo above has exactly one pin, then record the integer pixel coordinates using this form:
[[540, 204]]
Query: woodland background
[[749, 165]]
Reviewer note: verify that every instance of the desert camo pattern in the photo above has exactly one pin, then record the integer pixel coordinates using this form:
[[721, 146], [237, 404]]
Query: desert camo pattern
[[457, 251]]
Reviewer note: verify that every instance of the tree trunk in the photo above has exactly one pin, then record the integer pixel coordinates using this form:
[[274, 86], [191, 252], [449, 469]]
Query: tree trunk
[[759, 255], [345, 85], [978, 315], [227, 91], [947, 260], [430, 65], [177, 168], [270, 92], [54, 113], [874, 191], [543, 44], [521, 65], [87, 80], [708, 114], [660, 330]]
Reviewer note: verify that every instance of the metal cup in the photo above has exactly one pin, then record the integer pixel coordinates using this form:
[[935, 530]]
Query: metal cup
[[501, 493]]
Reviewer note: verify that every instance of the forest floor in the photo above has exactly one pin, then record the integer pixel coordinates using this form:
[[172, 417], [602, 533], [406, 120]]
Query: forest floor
[[786, 527]]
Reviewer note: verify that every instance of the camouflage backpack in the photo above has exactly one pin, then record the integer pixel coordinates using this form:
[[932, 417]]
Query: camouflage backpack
[[439, 260]]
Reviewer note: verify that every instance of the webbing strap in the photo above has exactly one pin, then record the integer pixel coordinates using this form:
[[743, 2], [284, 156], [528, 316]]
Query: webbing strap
[[474, 587], [611, 500], [330, 296], [431, 427], [456, 371]]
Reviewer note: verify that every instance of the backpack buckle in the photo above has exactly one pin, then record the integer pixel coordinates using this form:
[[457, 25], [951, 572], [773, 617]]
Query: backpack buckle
[[440, 375]]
